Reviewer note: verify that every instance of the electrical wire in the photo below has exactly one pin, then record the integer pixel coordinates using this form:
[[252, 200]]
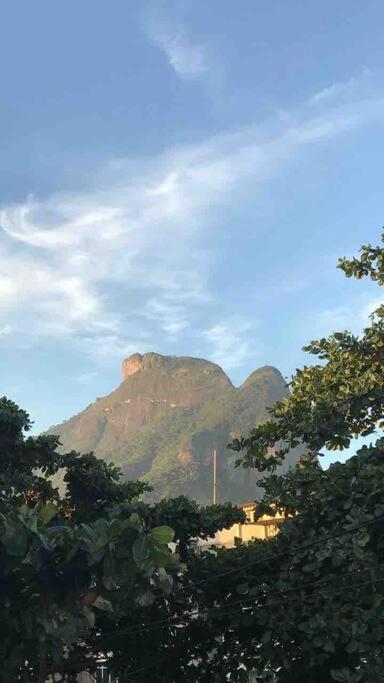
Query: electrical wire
[[306, 546], [279, 592], [349, 587]]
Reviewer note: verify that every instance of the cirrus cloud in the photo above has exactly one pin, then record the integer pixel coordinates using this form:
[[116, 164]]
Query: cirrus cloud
[[129, 259]]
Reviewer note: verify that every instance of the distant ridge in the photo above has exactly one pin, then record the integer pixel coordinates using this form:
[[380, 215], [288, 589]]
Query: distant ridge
[[164, 420]]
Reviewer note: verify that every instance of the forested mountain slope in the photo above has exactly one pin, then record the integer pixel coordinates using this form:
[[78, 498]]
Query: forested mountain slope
[[164, 420]]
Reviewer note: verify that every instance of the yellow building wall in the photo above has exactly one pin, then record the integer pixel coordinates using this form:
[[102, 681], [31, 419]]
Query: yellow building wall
[[262, 529]]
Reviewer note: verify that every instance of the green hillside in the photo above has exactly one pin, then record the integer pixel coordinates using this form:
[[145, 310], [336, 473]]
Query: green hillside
[[165, 419]]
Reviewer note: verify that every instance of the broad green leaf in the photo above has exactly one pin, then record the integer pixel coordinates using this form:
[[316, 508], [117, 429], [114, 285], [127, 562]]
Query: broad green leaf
[[135, 520], [90, 616], [145, 599], [162, 534], [109, 571], [15, 539], [341, 675], [165, 581], [161, 556], [141, 549], [103, 604], [47, 513]]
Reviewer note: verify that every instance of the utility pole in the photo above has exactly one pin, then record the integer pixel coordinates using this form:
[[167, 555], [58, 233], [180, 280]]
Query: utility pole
[[214, 477]]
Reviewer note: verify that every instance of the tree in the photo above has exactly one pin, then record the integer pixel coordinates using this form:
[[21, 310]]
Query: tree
[[79, 566], [58, 570], [307, 605], [337, 399], [318, 612]]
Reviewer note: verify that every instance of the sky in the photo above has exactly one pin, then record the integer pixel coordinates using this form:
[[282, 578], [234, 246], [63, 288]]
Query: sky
[[181, 177]]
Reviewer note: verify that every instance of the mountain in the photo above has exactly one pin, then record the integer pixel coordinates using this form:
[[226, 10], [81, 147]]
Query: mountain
[[164, 420]]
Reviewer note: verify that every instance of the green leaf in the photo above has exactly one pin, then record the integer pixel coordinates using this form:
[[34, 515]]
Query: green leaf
[[165, 581], [242, 588], [109, 571], [141, 549], [47, 513], [103, 604], [162, 534], [90, 616], [15, 539], [341, 675], [161, 556], [145, 599], [135, 520]]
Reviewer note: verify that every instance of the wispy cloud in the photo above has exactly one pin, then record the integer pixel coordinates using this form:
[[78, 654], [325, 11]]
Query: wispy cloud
[[128, 261], [345, 90], [328, 320], [354, 317], [85, 378], [370, 307], [187, 57], [5, 330], [232, 343]]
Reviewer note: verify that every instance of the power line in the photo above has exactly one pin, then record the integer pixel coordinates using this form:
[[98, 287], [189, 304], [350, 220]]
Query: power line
[[281, 592], [305, 546], [371, 582], [259, 561], [165, 620]]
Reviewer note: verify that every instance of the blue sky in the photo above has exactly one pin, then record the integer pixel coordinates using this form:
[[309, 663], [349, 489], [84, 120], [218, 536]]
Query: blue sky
[[181, 177]]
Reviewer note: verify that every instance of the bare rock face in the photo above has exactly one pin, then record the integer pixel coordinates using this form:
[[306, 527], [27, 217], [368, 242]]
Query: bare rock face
[[132, 364]]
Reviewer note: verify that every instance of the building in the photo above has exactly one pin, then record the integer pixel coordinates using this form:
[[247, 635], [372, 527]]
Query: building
[[263, 528]]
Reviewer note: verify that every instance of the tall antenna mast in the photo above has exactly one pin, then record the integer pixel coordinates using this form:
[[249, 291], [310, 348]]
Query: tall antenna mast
[[214, 477]]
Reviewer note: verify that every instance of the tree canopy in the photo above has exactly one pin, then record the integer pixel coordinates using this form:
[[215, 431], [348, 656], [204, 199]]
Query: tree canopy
[[336, 399], [79, 564]]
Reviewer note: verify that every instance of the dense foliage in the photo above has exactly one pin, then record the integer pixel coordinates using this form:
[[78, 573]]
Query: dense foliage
[[340, 397], [76, 567], [325, 618]]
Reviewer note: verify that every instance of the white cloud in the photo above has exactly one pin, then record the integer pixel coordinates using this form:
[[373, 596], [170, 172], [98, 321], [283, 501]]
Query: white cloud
[[331, 319], [7, 288], [172, 316], [231, 343], [344, 90], [187, 58], [128, 261], [353, 317], [5, 330], [85, 378], [370, 307]]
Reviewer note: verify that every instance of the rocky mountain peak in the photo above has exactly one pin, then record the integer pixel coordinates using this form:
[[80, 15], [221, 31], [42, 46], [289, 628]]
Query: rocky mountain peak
[[164, 420], [139, 361], [170, 365], [132, 364], [268, 373]]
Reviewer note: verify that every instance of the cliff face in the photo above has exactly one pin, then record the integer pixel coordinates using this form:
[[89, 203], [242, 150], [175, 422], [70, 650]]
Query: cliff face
[[163, 422]]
